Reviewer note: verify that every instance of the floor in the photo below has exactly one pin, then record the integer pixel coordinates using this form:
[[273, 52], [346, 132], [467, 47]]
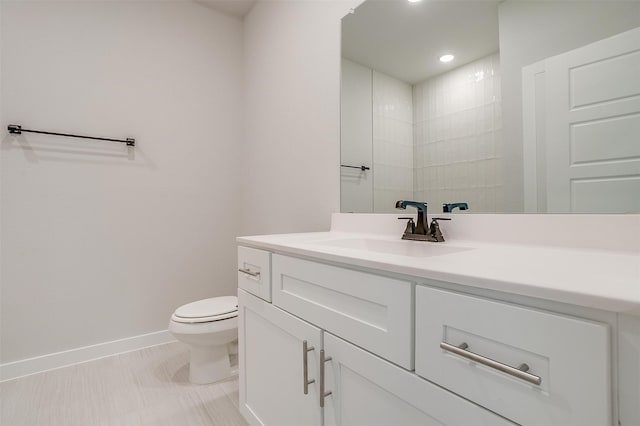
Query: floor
[[145, 387]]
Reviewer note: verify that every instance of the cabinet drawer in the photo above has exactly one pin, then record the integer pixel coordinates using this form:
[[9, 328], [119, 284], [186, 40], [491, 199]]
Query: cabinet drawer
[[371, 311], [254, 272], [569, 356]]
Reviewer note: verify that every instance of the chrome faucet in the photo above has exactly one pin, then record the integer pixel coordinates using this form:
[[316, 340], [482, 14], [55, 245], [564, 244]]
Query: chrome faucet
[[420, 231]]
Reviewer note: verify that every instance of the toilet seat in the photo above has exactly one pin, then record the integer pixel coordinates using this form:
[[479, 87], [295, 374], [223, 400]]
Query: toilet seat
[[207, 310]]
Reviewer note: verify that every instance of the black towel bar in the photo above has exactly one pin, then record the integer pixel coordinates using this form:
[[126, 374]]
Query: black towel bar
[[17, 130]]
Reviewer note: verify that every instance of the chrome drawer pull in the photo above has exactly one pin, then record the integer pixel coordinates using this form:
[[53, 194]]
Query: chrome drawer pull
[[520, 372], [249, 272], [323, 394], [305, 366]]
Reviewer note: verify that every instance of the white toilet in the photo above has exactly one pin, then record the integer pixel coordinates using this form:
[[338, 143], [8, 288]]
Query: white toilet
[[208, 326]]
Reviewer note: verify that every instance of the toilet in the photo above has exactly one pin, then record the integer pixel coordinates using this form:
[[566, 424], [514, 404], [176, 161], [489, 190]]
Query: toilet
[[208, 326]]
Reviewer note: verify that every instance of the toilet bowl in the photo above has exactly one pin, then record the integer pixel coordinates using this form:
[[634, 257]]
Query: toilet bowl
[[208, 326]]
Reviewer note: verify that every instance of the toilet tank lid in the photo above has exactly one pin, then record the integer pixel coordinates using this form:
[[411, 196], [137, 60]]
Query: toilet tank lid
[[208, 307]]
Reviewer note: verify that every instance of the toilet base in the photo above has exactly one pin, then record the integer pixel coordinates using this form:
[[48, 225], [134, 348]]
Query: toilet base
[[209, 364]]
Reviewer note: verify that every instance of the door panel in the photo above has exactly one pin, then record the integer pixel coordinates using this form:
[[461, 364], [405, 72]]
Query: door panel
[[271, 365], [593, 123], [581, 123]]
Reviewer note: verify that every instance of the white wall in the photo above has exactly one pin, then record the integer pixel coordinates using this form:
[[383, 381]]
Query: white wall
[[356, 185], [291, 151], [376, 130], [96, 245], [533, 30], [458, 143], [392, 142]]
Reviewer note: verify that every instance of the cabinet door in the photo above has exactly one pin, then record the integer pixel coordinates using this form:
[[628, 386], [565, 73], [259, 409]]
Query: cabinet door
[[270, 349], [367, 390]]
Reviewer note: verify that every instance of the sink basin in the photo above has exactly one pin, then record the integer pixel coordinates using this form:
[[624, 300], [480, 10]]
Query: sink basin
[[399, 247]]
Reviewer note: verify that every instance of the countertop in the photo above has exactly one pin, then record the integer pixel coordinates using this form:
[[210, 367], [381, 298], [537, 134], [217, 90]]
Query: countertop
[[601, 279]]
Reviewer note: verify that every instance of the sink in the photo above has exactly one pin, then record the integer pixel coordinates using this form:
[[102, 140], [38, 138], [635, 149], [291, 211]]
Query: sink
[[399, 248]]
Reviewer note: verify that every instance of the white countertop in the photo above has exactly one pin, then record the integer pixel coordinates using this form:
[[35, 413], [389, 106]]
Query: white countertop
[[601, 279]]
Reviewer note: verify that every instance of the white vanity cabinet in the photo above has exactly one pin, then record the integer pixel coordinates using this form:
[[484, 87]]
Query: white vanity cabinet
[[279, 352], [360, 388], [532, 366]]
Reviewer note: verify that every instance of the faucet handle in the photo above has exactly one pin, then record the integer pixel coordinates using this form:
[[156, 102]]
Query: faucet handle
[[434, 228], [411, 225]]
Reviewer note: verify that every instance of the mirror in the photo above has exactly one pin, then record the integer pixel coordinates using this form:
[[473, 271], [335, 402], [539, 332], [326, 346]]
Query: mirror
[[539, 110]]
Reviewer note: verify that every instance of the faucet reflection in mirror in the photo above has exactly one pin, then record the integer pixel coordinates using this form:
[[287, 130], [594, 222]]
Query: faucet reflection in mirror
[[447, 208]]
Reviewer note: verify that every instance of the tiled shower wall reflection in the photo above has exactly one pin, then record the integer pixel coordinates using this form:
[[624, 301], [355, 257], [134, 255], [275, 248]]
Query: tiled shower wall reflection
[[457, 137], [392, 142]]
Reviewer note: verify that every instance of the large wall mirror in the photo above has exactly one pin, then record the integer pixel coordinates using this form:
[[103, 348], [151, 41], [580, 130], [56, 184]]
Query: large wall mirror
[[537, 111]]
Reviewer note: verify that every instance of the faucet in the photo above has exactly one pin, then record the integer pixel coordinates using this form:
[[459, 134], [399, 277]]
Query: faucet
[[420, 231], [447, 208], [421, 227]]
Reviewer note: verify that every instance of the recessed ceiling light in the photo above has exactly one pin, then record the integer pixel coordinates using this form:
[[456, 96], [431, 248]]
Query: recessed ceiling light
[[414, 1], [446, 58]]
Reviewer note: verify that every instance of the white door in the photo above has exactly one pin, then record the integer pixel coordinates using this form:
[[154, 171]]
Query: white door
[[593, 127], [272, 367], [368, 391]]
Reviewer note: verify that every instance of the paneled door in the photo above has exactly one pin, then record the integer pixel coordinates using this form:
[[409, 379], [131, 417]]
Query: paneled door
[[590, 125]]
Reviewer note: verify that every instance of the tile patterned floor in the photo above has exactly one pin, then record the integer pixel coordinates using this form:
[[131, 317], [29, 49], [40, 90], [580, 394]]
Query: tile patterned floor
[[145, 387]]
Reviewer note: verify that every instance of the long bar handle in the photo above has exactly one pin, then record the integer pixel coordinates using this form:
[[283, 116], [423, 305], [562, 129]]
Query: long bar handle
[[249, 272], [305, 366], [520, 372], [323, 394]]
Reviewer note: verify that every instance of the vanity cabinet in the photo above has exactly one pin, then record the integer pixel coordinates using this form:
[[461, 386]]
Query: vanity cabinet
[[403, 351], [361, 388]]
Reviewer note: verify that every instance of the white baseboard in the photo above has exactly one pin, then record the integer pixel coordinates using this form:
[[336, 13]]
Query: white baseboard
[[25, 367]]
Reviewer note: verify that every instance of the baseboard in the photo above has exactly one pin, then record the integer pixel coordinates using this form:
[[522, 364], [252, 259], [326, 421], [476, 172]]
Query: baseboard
[[25, 367]]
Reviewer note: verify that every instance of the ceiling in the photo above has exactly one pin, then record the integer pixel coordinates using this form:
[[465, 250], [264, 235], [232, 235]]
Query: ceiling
[[405, 40], [237, 8]]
